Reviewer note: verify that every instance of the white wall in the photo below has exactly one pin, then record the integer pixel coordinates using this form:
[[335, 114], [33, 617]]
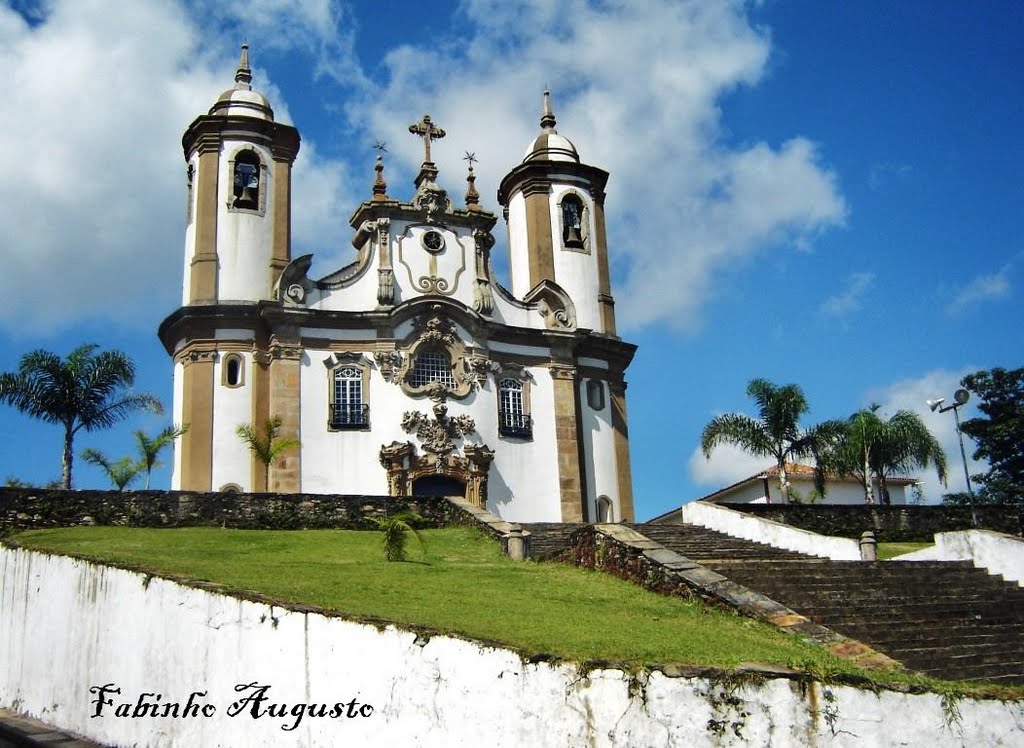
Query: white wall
[[576, 272], [839, 492], [993, 551], [519, 251], [243, 237], [232, 461], [67, 626], [348, 461], [747, 526]]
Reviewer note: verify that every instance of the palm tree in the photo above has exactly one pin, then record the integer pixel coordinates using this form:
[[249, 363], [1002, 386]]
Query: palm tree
[[872, 449], [86, 390], [266, 444], [121, 473], [150, 447], [776, 433]]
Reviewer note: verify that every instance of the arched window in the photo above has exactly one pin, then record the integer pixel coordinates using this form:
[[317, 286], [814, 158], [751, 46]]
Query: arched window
[[605, 511], [233, 372], [348, 408], [432, 366], [513, 418], [573, 223], [595, 394], [247, 181]]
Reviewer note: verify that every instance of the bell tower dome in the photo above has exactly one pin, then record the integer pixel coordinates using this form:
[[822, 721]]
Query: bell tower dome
[[554, 206], [237, 239]]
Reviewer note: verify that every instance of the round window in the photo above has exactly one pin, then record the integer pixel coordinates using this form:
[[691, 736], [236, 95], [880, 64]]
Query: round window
[[433, 241]]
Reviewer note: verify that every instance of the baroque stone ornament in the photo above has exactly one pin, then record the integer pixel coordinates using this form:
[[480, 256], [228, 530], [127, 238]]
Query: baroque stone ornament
[[438, 434], [436, 328], [432, 200], [388, 362]]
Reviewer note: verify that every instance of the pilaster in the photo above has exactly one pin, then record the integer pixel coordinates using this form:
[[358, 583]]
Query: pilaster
[[622, 466], [197, 412], [567, 443], [537, 196], [606, 304], [281, 250], [203, 285], [285, 377]]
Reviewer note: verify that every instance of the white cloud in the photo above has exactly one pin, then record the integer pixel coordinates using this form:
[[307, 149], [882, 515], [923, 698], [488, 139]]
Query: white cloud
[[911, 394], [323, 29], [851, 298], [635, 87], [980, 289], [93, 187], [93, 96], [727, 465]]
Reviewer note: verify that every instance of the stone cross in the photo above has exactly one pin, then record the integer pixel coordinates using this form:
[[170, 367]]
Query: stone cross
[[426, 129]]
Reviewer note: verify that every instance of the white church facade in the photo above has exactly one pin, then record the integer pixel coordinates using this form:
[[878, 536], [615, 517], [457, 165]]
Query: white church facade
[[411, 370]]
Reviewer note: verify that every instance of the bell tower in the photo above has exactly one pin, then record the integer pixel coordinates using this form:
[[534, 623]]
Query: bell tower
[[554, 207], [237, 240]]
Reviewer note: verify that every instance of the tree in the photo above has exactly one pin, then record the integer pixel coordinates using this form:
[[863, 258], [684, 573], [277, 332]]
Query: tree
[[87, 390], [121, 472], [999, 434], [150, 447], [266, 444], [776, 433], [873, 449]]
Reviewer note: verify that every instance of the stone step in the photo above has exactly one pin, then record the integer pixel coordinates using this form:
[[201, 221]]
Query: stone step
[[935, 635]]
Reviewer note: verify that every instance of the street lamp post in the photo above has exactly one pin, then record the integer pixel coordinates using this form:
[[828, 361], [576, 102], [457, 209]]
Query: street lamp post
[[960, 397]]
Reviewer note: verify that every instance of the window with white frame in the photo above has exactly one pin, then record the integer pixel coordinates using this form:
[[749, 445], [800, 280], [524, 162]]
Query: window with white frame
[[348, 407], [513, 418], [432, 366]]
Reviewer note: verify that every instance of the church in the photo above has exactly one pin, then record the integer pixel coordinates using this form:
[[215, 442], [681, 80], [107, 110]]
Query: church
[[411, 370]]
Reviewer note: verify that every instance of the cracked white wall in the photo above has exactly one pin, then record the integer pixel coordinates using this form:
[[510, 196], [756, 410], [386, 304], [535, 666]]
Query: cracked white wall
[[67, 625]]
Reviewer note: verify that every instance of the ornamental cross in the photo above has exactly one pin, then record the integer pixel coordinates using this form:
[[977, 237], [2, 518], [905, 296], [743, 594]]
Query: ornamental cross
[[426, 129]]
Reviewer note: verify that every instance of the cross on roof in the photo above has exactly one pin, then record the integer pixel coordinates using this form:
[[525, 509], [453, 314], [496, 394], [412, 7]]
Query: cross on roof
[[471, 158], [426, 129], [381, 147]]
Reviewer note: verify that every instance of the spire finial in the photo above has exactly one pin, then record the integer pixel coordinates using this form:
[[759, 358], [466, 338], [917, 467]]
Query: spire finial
[[380, 187], [243, 77], [472, 196], [547, 119]]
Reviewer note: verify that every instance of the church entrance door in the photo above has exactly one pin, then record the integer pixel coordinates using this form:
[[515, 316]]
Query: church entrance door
[[438, 485]]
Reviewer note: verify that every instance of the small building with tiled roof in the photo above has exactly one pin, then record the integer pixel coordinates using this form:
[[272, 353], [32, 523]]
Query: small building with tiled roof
[[763, 488]]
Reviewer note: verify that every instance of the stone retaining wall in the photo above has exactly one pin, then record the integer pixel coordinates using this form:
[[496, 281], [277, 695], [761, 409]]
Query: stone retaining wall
[[27, 508]]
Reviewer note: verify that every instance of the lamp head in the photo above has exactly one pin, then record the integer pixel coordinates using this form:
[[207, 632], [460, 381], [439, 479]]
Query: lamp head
[[934, 404], [961, 396]]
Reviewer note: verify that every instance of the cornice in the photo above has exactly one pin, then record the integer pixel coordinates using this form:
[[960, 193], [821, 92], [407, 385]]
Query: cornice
[[266, 317], [534, 175], [208, 131]]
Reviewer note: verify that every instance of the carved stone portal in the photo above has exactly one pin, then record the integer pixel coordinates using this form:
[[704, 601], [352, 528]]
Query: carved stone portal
[[404, 466]]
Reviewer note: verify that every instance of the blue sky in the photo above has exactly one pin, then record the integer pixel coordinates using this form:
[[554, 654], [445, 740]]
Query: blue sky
[[820, 193]]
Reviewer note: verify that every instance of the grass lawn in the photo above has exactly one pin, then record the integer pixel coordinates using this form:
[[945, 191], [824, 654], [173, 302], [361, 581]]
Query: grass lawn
[[890, 550], [463, 585]]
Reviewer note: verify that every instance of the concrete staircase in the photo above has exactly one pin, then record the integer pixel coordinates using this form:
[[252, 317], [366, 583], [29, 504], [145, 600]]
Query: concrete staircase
[[941, 618], [548, 539], [700, 544]]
